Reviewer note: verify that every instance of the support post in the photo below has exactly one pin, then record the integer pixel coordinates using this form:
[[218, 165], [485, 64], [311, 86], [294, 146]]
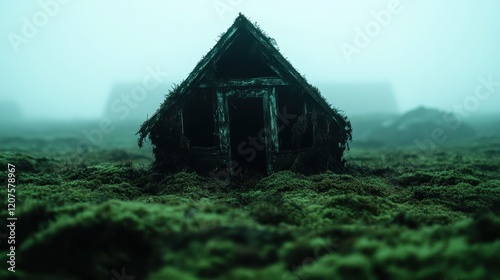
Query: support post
[[223, 125]]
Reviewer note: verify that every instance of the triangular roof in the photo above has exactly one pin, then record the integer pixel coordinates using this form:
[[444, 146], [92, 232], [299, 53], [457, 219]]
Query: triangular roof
[[276, 60]]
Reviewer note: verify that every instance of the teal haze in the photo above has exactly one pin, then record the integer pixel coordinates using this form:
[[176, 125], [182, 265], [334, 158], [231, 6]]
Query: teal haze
[[424, 53]]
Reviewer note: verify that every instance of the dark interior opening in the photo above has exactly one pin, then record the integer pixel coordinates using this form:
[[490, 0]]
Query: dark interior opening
[[198, 119], [246, 120], [296, 132], [243, 60]]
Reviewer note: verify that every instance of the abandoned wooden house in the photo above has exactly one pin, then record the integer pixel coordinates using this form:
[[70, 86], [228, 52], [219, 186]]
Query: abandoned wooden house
[[244, 107]]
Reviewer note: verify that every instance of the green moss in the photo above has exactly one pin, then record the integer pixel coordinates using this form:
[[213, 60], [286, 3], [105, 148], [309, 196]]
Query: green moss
[[335, 184], [274, 209], [430, 253], [418, 215], [83, 184], [462, 197], [109, 236], [123, 191], [356, 208], [353, 266], [184, 182], [26, 163], [284, 181], [306, 249], [437, 217], [55, 195], [105, 173], [270, 272], [481, 229], [443, 178], [168, 272], [217, 256]]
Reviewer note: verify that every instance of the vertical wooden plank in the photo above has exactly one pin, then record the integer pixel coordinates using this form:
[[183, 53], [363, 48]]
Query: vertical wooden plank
[[273, 113], [269, 112], [181, 112], [216, 118], [266, 128], [223, 124]]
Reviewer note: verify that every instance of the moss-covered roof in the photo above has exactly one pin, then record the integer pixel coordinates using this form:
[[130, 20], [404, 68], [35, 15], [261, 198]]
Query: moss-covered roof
[[281, 65]]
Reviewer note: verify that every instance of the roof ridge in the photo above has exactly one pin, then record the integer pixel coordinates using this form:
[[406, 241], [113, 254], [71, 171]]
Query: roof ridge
[[225, 41]]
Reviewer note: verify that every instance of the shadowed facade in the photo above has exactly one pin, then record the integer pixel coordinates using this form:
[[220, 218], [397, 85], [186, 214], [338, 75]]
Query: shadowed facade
[[244, 107]]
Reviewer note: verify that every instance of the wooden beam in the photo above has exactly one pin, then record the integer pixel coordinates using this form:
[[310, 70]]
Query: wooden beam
[[270, 128], [195, 77], [246, 93], [273, 109], [253, 82], [223, 125]]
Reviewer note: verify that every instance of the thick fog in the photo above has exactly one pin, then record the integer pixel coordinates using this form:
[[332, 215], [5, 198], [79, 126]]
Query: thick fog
[[62, 59]]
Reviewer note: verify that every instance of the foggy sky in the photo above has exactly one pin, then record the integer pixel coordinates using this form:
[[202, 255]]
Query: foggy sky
[[432, 53]]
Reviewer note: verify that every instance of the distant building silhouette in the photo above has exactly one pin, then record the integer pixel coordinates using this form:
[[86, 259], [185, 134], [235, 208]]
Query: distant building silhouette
[[124, 104], [361, 98], [10, 111]]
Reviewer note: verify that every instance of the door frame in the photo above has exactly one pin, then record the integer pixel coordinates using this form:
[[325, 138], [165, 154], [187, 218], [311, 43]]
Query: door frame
[[268, 95]]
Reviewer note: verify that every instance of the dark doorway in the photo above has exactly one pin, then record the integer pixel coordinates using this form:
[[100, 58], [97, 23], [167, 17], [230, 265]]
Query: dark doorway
[[198, 119], [246, 121]]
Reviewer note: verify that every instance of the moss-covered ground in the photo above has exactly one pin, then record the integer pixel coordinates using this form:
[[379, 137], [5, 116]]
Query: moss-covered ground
[[395, 214]]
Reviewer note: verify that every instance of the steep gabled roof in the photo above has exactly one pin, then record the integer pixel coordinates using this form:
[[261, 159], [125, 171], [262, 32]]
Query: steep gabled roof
[[276, 61]]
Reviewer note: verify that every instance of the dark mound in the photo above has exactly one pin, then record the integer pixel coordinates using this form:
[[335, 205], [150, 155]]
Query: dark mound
[[423, 125]]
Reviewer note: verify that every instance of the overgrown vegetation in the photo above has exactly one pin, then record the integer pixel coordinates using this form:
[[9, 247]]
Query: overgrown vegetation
[[392, 215]]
